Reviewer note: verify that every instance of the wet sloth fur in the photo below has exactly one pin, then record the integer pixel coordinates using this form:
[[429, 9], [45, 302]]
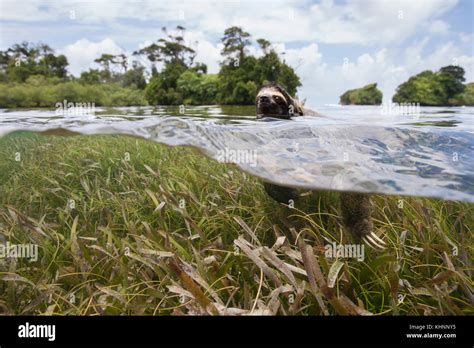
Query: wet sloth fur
[[273, 101]]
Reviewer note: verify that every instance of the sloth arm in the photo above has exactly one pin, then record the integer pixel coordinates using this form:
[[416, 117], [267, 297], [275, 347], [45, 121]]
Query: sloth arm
[[309, 112], [355, 208]]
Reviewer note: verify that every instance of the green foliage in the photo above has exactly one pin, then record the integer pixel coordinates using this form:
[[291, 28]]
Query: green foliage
[[39, 91], [171, 49], [241, 76], [105, 60], [170, 75], [367, 95], [152, 89], [444, 87], [50, 65], [174, 50], [160, 96], [452, 77], [230, 76], [32, 76], [162, 87], [244, 92], [235, 41], [181, 80], [271, 69], [92, 76], [465, 98], [23, 60], [134, 77], [198, 88], [423, 88]]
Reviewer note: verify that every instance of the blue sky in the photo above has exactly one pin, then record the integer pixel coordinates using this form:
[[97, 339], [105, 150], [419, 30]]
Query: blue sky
[[333, 45]]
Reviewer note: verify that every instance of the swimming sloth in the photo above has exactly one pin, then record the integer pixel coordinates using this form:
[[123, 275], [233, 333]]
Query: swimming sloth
[[273, 101]]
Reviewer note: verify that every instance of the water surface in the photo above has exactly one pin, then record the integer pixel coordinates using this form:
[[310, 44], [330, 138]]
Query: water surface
[[349, 148]]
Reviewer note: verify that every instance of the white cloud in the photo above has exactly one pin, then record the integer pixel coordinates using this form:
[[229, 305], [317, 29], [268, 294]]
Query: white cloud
[[307, 55], [387, 66], [363, 22], [438, 27], [206, 52], [373, 21], [467, 38], [82, 53], [25, 11], [88, 11]]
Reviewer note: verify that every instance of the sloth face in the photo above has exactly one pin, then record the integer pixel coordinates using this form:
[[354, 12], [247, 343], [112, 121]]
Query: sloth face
[[272, 102]]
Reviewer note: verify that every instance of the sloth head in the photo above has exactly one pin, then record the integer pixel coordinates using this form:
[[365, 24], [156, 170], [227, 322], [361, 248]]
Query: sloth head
[[273, 100]]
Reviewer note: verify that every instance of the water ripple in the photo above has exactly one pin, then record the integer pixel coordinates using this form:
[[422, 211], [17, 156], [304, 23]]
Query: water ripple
[[350, 148]]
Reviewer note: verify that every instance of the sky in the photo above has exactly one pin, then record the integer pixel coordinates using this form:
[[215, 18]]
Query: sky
[[332, 45]]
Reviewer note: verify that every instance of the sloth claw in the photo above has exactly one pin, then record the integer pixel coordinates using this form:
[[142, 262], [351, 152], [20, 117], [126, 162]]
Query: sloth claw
[[374, 241], [378, 239]]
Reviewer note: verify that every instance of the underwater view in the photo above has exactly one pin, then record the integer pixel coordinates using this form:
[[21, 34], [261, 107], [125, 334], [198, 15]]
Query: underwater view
[[160, 210], [352, 148]]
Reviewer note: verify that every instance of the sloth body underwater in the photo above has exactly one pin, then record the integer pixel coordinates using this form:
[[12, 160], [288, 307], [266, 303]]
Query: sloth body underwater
[[273, 101]]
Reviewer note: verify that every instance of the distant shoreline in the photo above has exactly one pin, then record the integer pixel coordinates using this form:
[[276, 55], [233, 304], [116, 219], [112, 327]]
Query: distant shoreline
[[220, 105], [443, 88]]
